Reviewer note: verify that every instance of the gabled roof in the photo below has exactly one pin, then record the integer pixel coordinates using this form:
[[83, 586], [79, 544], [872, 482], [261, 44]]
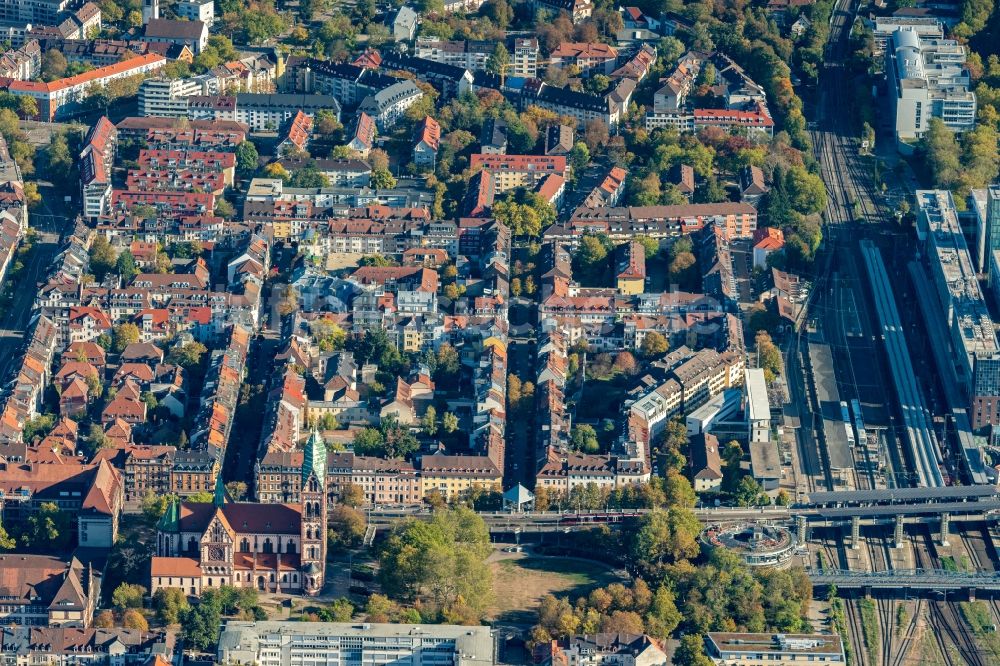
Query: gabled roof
[[428, 133], [170, 29]]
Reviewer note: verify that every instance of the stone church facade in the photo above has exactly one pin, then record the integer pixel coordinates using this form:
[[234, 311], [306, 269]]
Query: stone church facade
[[278, 548]]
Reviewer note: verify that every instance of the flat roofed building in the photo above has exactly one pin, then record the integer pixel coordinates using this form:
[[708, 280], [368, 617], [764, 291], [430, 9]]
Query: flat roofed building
[[765, 464], [196, 10], [975, 349], [774, 649], [343, 643], [758, 407], [928, 27], [928, 79]]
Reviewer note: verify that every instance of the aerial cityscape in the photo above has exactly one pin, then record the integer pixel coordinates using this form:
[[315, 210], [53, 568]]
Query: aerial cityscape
[[488, 332]]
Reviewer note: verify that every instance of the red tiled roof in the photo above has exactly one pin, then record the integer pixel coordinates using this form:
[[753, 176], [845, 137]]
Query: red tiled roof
[[429, 131], [186, 567], [86, 77], [585, 50]]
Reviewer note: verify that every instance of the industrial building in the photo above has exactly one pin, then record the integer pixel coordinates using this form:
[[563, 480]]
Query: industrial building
[[927, 79]]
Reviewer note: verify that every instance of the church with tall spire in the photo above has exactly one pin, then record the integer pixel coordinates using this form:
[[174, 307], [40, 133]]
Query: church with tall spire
[[278, 548]]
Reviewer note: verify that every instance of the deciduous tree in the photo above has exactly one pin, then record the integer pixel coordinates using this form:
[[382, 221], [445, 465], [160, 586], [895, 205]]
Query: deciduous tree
[[654, 344], [128, 595], [170, 603]]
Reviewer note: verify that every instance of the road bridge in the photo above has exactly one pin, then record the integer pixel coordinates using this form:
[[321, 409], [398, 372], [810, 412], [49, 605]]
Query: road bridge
[[908, 582]]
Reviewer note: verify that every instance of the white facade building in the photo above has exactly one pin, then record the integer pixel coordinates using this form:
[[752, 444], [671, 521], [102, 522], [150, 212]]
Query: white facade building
[[344, 644], [927, 79], [196, 10], [167, 97], [524, 59], [758, 408]]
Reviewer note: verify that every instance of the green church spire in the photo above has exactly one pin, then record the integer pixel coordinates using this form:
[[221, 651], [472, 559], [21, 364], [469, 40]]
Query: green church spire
[[220, 492], [170, 520], [314, 458]]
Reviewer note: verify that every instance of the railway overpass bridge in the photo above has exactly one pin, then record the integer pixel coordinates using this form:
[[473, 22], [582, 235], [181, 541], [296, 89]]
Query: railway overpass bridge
[[854, 509], [899, 507], [934, 583]]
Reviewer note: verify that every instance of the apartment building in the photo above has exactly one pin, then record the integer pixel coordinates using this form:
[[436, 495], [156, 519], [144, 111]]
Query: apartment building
[[584, 107], [690, 380], [167, 98], [449, 80], [96, 160], [589, 58], [565, 471], [193, 472], [58, 97], [146, 468], [196, 10], [578, 10], [513, 171], [349, 83], [387, 105], [94, 646], [339, 172], [622, 224], [466, 54], [426, 141], [40, 12], [386, 481], [454, 477], [525, 57], [47, 591]]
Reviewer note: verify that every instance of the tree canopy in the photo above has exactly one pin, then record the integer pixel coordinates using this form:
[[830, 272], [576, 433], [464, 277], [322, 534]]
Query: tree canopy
[[441, 563]]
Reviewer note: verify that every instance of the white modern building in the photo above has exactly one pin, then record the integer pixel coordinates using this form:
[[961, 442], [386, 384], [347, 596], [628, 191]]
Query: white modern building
[[758, 409], [525, 57], [196, 10], [721, 410], [927, 79], [467, 54], [43, 12], [348, 644], [928, 27], [167, 97]]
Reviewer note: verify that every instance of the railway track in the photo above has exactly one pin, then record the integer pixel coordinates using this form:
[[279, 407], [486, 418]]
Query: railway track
[[856, 631], [906, 641], [881, 560], [946, 623], [981, 559]]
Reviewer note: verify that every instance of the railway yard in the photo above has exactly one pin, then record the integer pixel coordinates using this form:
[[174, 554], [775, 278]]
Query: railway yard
[[866, 375]]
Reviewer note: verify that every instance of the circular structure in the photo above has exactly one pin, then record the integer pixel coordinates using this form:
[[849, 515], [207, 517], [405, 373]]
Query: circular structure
[[757, 545]]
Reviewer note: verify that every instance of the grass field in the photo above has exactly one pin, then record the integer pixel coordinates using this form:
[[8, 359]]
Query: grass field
[[520, 582]]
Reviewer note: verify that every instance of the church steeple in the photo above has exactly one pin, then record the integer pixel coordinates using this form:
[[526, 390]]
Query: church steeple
[[314, 458], [220, 492], [170, 520], [313, 524]]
